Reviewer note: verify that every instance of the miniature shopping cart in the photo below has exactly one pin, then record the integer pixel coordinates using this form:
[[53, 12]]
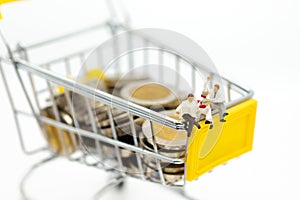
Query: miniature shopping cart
[[44, 82]]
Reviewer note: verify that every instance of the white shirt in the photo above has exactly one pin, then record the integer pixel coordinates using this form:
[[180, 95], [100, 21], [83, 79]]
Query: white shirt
[[219, 97], [188, 107]]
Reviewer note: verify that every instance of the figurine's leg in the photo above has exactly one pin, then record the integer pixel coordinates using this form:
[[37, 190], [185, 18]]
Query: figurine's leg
[[225, 113], [223, 108], [213, 106], [222, 111], [208, 115], [190, 122], [208, 118]]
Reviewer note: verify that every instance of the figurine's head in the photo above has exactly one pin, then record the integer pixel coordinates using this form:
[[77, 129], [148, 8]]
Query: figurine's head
[[190, 97], [216, 88]]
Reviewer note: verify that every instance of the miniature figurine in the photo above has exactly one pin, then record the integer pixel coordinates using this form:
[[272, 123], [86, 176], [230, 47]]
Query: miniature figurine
[[204, 105], [188, 110], [217, 99], [205, 109]]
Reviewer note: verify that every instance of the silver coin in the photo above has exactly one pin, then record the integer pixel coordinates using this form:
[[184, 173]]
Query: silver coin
[[170, 178], [166, 151], [121, 130], [166, 167]]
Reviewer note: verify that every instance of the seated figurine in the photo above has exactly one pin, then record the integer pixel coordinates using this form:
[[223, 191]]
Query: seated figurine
[[204, 109]]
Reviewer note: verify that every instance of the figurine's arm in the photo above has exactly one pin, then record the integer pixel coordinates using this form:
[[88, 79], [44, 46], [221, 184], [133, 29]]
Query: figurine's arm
[[197, 110], [205, 86], [179, 109]]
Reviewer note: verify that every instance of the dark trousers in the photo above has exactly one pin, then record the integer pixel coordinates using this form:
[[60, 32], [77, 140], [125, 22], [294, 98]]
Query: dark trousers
[[189, 123]]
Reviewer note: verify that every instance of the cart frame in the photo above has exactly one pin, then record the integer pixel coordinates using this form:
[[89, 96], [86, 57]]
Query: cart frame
[[20, 61]]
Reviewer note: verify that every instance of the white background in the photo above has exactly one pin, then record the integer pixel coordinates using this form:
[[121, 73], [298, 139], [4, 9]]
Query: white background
[[256, 43]]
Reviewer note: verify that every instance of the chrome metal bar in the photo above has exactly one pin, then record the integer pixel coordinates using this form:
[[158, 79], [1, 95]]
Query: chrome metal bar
[[65, 36], [12, 104], [229, 92], [82, 58], [185, 158], [92, 163], [31, 80], [101, 96], [234, 84], [238, 90], [94, 127], [99, 60], [57, 117], [34, 91], [111, 141], [24, 55], [69, 102], [235, 102], [193, 74], [112, 10], [20, 112], [158, 165], [194, 66], [114, 133], [68, 68], [138, 156], [166, 47], [113, 30], [70, 56], [13, 61], [73, 138], [211, 81], [130, 58], [107, 98]]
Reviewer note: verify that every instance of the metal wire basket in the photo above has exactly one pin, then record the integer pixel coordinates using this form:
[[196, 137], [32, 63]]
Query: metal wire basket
[[40, 81]]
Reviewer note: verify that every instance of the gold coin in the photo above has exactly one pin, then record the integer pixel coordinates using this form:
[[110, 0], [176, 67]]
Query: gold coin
[[58, 139], [164, 135], [148, 93]]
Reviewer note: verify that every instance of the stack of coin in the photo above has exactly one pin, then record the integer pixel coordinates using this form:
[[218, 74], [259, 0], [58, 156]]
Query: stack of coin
[[60, 141], [170, 143], [157, 97], [121, 124], [170, 178], [140, 90]]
